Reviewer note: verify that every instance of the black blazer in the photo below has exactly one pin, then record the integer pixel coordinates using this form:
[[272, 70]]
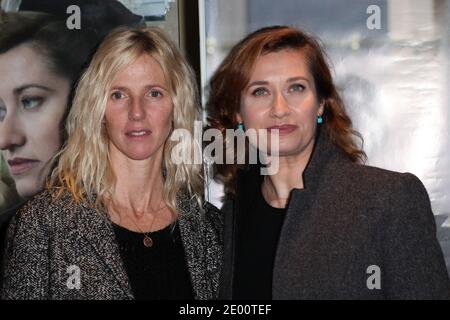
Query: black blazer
[[347, 218]]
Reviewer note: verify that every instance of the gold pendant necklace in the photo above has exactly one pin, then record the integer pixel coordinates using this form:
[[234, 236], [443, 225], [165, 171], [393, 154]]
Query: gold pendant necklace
[[148, 242]]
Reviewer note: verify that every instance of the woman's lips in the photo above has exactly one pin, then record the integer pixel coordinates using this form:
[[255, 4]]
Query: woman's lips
[[284, 129], [20, 166], [138, 134]]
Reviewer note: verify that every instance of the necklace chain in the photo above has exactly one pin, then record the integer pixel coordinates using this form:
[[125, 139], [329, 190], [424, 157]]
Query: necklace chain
[[147, 241]]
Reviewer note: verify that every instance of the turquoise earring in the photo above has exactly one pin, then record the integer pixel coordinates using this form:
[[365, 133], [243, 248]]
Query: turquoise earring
[[319, 120], [240, 126]]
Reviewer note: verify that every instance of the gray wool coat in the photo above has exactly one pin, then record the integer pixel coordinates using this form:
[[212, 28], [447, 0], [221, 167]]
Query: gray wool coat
[[47, 239], [347, 218]]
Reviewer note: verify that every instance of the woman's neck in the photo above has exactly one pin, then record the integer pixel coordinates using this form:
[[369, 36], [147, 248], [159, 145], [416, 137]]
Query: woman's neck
[[137, 202], [139, 183], [276, 188]]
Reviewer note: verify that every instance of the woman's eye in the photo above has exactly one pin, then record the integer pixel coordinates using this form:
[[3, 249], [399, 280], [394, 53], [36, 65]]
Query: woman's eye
[[31, 102], [155, 93], [297, 87], [117, 95], [2, 113], [259, 92]]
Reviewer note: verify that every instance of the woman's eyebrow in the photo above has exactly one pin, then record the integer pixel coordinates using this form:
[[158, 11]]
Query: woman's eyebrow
[[297, 78], [20, 89], [146, 87], [258, 83], [263, 82], [121, 88]]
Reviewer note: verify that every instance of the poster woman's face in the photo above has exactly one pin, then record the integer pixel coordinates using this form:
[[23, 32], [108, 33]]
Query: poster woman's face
[[33, 100]]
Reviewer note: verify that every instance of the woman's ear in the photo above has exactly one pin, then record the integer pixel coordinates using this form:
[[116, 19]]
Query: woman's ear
[[321, 107], [239, 118]]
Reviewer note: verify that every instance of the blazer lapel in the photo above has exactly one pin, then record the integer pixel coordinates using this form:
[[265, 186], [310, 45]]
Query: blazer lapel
[[97, 229]]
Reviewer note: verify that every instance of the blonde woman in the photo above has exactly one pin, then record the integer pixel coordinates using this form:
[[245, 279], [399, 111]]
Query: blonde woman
[[119, 219]]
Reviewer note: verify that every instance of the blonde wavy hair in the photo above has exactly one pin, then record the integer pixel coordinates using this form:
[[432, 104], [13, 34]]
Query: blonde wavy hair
[[84, 167]]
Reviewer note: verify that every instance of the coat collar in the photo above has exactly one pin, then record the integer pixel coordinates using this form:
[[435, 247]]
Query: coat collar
[[324, 152], [98, 230], [193, 233]]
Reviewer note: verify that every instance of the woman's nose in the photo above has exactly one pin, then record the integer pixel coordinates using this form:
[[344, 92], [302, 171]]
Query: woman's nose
[[280, 107], [11, 134], [137, 110]]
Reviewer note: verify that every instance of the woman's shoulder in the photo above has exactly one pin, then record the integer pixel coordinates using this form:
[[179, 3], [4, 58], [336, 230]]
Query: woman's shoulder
[[192, 208], [403, 187], [39, 204], [200, 216], [376, 186], [45, 207], [379, 177], [192, 205]]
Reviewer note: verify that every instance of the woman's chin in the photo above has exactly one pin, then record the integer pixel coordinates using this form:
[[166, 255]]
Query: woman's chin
[[282, 152], [140, 155]]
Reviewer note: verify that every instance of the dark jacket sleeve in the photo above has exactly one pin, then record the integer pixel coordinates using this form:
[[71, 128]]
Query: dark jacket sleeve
[[26, 262], [414, 266]]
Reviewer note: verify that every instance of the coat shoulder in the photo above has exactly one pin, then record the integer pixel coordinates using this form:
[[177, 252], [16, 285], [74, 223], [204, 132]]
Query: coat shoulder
[[46, 209], [378, 179], [37, 208]]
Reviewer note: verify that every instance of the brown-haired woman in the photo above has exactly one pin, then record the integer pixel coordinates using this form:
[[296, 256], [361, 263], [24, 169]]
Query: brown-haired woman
[[323, 226]]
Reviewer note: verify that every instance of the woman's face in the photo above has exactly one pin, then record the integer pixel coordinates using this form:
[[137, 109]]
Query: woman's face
[[281, 95], [139, 110], [33, 101]]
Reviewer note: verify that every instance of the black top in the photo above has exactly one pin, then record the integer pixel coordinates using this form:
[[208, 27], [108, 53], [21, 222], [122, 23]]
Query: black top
[[158, 272], [258, 234]]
